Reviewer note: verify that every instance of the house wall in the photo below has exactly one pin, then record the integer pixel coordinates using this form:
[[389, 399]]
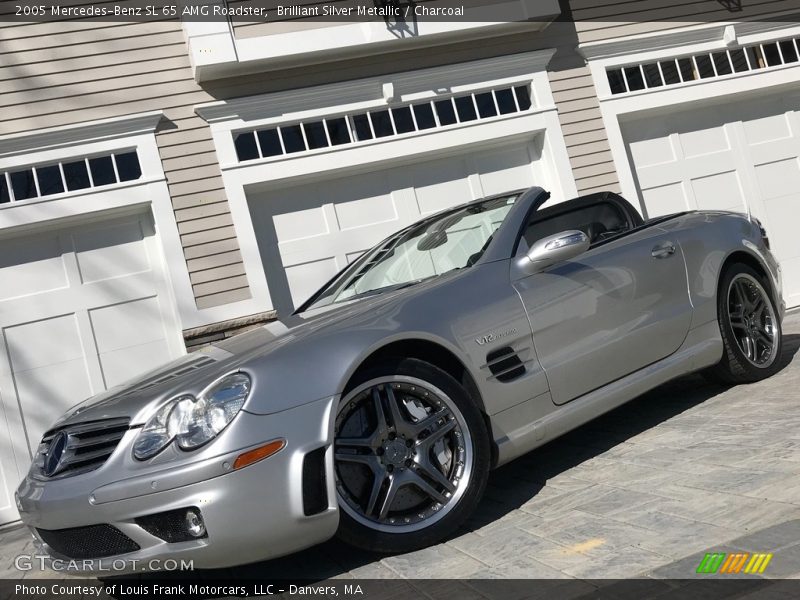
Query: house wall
[[62, 73], [51, 75], [606, 19]]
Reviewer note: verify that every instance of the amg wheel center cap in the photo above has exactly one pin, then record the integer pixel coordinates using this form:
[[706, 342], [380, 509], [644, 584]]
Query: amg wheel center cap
[[395, 452]]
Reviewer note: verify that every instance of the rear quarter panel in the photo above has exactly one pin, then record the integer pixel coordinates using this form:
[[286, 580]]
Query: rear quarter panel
[[708, 239]]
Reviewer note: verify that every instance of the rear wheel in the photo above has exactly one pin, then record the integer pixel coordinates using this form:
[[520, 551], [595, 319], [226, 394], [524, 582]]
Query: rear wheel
[[411, 457], [750, 328]]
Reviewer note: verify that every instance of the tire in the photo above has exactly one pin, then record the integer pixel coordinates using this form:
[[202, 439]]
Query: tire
[[754, 318], [436, 435]]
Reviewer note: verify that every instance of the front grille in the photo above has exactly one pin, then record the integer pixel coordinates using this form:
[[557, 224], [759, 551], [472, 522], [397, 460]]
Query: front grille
[[93, 541], [83, 447]]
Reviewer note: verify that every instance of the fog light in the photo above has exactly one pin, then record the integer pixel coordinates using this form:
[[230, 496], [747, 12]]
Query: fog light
[[173, 526], [194, 524]]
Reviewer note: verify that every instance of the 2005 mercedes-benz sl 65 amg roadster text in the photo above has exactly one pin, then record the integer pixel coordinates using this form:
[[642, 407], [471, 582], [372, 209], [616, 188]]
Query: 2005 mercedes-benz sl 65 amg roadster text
[[376, 411]]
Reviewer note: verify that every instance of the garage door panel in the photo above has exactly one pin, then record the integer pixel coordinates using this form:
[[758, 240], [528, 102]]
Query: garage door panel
[[741, 156], [366, 212], [767, 129], [665, 199], [704, 142], [116, 364], [773, 152], [127, 324], [496, 169], [111, 252], [100, 318], [784, 210], [779, 179], [722, 191], [61, 385], [652, 152], [301, 224], [30, 345], [30, 267], [308, 233], [6, 477], [306, 278]]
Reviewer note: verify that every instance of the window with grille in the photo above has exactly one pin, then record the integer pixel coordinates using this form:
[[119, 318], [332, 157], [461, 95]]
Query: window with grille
[[706, 65], [71, 175], [380, 123]]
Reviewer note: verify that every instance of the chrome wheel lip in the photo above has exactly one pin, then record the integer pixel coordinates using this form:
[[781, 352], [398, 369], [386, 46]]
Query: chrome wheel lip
[[463, 481], [751, 322]]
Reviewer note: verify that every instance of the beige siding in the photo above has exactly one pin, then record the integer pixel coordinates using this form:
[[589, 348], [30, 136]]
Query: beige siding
[[49, 77], [55, 74], [606, 19], [584, 134]]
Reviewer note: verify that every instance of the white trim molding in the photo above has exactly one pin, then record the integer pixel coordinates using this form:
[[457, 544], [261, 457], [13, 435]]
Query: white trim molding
[[243, 178], [80, 133], [616, 109], [215, 51]]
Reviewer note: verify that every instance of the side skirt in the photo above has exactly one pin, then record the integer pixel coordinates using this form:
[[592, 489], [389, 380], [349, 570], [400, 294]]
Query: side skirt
[[516, 433]]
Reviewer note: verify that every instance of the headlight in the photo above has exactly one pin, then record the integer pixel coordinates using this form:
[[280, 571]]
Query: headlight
[[192, 421]]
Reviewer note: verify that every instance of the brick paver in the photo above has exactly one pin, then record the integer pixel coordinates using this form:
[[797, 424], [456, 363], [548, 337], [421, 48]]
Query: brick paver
[[644, 490]]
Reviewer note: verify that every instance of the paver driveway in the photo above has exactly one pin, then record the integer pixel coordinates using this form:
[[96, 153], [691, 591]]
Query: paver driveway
[[644, 490]]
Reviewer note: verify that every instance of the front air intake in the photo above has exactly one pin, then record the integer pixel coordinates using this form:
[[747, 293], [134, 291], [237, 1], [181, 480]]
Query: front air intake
[[92, 541], [505, 364]]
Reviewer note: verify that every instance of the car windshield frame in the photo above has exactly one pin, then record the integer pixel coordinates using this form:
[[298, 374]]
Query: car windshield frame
[[430, 231]]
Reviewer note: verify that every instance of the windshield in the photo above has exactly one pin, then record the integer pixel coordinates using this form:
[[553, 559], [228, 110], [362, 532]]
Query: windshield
[[438, 245]]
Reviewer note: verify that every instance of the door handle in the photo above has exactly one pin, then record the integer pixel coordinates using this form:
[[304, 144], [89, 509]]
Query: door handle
[[663, 250]]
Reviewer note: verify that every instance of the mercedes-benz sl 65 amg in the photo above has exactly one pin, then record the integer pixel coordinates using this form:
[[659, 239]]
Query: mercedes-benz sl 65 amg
[[378, 408]]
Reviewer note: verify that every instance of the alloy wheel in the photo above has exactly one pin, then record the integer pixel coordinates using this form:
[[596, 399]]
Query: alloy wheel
[[753, 321], [403, 454]]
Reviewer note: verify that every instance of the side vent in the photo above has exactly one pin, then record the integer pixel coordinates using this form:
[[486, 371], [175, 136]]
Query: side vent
[[315, 495], [504, 364]]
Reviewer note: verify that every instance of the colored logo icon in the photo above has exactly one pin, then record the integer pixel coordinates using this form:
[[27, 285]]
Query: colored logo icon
[[735, 562]]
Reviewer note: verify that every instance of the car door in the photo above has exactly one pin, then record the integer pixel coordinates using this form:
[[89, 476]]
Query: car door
[[618, 307]]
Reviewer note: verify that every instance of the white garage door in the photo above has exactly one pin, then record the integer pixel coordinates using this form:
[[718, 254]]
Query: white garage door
[[734, 157], [81, 310], [306, 234]]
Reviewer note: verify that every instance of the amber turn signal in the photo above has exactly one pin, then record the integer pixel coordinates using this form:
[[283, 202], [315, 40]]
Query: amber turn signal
[[256, 454]]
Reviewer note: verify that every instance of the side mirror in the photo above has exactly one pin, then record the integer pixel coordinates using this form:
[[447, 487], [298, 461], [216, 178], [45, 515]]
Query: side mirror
[[553, 249]]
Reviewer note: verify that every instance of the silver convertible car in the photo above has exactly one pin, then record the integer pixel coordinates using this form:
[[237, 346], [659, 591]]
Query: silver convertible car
[[376, 411]]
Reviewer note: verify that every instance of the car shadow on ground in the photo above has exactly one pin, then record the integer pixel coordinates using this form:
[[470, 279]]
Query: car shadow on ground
[[516, 483]]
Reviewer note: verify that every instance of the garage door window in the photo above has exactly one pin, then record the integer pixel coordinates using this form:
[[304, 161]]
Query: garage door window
[[707, 65], [383, 123], [43, 180]]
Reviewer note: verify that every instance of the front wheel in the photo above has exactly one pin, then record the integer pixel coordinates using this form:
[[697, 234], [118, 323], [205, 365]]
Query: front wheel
[[750, 327], [411, 457]]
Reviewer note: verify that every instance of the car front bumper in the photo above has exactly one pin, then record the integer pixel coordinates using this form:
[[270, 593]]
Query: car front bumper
[[251, 514]]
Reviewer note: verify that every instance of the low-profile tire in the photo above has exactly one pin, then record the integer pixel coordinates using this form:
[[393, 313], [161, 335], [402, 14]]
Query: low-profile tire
[[750, 328], [411, 457]]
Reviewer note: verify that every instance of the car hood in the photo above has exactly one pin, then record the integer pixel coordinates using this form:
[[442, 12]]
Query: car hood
[[138, 398]]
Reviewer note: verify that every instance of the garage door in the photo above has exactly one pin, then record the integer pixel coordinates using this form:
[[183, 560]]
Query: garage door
[[306, 234], [81, 310], [736, 156]]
